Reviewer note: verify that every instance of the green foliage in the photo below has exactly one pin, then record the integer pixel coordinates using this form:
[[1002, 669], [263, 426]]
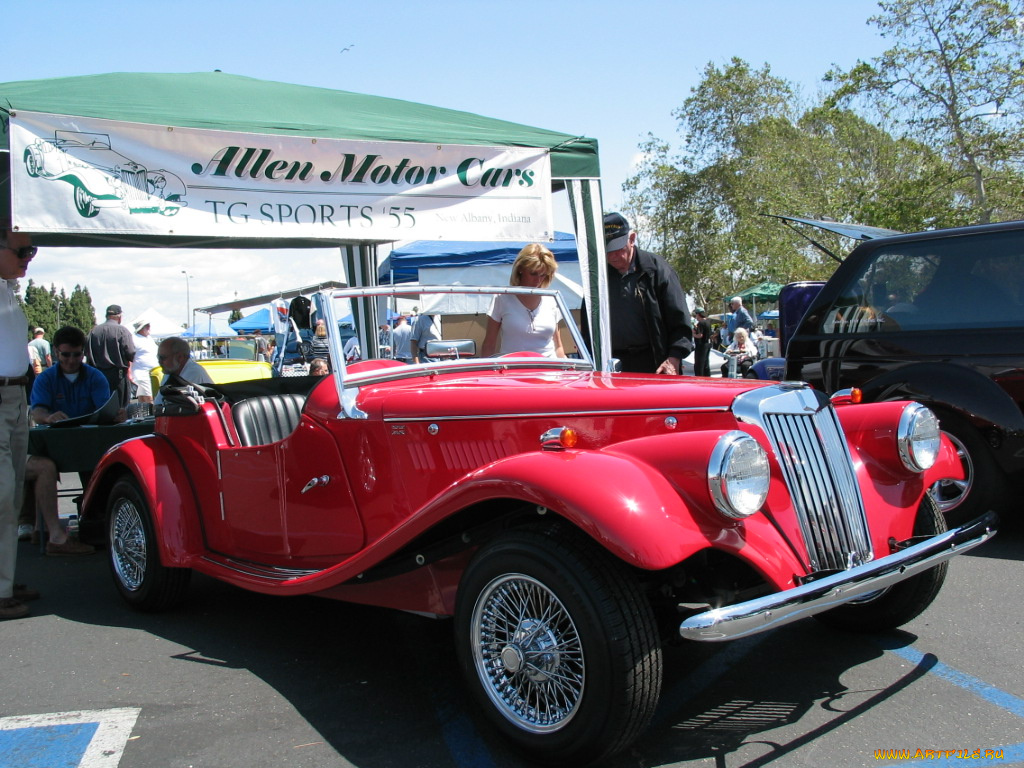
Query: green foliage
[[50, 310], [929, 135], [953, 81]]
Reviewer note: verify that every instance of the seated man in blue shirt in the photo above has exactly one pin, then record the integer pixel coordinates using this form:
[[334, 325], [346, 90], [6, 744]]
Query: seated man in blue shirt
[[63, 391], [71, 388]]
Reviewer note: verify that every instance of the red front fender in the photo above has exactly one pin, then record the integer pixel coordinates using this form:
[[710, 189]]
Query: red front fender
[[168, 490]]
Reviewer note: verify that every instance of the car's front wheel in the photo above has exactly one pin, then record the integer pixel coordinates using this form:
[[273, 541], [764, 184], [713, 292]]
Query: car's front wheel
[[85, 203], [143, 581], [896, 605], [559, 646]]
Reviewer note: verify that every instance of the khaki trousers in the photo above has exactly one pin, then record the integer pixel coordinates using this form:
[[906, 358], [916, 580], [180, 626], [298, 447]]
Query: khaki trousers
[[13, 450]]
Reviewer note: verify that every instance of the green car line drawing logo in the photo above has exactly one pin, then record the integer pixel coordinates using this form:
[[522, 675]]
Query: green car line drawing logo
[[101, 177]]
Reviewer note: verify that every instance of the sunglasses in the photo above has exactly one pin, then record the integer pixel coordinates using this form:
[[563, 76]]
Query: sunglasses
[[25, 252], [79, 353]]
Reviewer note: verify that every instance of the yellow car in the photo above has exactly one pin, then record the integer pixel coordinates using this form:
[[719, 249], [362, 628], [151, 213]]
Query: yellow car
[[223, 371]]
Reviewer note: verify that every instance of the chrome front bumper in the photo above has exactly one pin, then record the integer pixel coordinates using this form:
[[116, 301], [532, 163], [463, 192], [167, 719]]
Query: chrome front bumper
[[772, 611]]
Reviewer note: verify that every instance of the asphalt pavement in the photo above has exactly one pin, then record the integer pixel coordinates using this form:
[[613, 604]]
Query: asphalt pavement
[[240, 680]]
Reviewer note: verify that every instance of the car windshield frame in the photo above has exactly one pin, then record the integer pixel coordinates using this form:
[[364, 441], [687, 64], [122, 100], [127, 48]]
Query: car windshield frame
[[348, 381]]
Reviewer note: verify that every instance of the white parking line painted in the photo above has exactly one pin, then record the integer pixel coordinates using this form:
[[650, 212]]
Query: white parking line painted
[[83, 739]]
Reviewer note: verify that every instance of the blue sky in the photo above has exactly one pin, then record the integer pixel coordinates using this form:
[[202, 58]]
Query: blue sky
[[609, 70]]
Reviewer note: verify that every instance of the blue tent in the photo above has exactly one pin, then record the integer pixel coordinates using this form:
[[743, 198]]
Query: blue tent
[[210, 327], [257, 321], [406, 261]]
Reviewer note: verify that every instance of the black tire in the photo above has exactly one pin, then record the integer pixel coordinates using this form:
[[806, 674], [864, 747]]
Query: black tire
[[984, 486], [895, 606], [143, 581], [558, 645]]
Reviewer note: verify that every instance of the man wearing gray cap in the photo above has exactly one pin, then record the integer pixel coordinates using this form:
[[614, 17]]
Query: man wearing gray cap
[[650, 324], [110, 348]]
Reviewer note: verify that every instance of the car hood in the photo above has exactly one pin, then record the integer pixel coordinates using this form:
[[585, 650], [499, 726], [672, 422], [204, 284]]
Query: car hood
[[539, 393], [855, 231]]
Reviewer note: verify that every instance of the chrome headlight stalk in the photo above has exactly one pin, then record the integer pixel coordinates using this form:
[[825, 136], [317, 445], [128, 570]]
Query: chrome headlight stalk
[[738, 475], [918, 437]]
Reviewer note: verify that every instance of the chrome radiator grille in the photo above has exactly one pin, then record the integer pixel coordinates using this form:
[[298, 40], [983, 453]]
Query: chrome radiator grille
[[135, 185], [809, 443]]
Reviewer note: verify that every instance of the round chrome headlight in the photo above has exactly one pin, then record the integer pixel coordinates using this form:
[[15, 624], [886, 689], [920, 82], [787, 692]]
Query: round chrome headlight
[[738, 475], [918, 437]]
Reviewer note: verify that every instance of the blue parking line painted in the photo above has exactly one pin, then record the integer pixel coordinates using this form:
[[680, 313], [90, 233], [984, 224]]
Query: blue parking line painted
[[465, 745], [83, 739], [979, 688], [45, 746]]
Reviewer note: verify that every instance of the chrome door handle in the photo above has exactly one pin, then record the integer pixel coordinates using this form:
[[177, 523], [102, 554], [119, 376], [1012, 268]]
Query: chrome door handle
[[322, 480]]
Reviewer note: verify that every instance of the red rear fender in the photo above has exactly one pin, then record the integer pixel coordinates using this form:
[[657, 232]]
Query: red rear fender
[[167, 489]]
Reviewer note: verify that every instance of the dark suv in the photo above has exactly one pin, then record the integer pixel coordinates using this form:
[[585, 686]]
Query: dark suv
[[936, 317]]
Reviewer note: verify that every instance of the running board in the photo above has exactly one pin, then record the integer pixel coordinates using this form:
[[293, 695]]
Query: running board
[[258, 570]]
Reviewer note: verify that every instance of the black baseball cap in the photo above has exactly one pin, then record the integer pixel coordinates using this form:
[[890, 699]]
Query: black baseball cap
[[616, 232]]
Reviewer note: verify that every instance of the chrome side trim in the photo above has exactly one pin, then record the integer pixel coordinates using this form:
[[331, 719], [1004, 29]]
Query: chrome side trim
[[555, 414], [267, 572], [764, 613]]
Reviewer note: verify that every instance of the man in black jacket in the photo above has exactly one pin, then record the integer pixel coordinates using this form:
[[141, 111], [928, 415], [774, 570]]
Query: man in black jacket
[[702, 337], [650, 324]]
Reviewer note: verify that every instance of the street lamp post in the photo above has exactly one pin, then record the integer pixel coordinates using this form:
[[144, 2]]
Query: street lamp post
[[188, 301]]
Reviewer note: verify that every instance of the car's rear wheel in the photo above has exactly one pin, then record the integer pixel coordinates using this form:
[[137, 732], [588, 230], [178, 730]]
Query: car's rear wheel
[[143, 581], [85, 203], [558, 645], [896, 605], [31, 163]]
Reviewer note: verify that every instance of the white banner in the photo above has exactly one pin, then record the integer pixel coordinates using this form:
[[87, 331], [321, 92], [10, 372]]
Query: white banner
[[74, 174]]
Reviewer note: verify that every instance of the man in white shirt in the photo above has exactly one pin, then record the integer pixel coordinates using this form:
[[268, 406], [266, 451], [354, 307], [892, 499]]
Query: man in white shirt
[[16, 251], [143, 362]]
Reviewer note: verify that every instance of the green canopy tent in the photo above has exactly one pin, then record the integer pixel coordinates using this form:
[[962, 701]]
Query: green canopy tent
[[209, 160], [765, 292]]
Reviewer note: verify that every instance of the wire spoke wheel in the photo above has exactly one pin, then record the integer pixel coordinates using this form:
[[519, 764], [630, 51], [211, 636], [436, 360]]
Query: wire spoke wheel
[[142, 579], [528, 653], [128, 544], [558, 644]]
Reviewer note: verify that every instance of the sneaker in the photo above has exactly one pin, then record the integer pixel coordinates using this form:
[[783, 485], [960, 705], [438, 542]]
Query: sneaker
[[11, 608], [21, 592], [69, 547], [25, 532]]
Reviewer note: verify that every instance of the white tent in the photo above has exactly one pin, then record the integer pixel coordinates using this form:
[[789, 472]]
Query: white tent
[[159, 325]]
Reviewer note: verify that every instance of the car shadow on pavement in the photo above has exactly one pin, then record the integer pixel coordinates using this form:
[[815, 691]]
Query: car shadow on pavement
[[382, 688]]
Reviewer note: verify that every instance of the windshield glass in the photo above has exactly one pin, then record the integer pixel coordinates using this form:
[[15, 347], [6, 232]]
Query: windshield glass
[[386, 331]]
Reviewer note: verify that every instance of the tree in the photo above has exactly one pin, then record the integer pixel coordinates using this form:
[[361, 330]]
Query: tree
[[50, 310], [953, 81], [751, 150]]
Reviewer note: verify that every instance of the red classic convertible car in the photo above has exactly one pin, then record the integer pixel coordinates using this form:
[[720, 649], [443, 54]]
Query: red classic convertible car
[[572, 521]]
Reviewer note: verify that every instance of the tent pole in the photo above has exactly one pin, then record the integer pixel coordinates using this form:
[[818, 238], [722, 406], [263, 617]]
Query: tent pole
[[585, 203]]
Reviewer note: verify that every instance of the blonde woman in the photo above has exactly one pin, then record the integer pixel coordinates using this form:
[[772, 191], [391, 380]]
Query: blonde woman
[[526, 323]]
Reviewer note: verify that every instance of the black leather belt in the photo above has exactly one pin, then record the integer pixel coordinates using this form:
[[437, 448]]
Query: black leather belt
[[13, 381]]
